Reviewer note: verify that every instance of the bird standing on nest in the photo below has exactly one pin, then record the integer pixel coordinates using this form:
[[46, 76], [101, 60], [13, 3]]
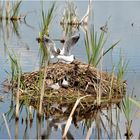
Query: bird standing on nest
[[63, 55]]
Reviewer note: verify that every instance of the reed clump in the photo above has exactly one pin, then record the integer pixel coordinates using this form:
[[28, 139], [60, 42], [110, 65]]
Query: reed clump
[[70, 14], [127, 110], [16, 72], [10, 10], [95, 46], [46, 20]]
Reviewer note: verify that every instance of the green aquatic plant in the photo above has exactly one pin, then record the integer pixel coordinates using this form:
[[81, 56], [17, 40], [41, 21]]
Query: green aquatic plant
[[127, 108], [16, 76], [95, 49], [46, 19], [95, 46], [132, 102], [122, 68], [43, 54], [15, 66], [44, 29]]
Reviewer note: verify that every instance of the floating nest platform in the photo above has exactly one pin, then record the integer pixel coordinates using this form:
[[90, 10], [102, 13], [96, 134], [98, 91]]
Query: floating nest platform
[[83, 79]]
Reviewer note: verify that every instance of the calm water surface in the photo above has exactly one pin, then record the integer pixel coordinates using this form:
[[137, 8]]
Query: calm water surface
[[122, 16]]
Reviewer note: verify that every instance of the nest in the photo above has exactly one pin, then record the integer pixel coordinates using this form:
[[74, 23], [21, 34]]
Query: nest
[[83, 79]]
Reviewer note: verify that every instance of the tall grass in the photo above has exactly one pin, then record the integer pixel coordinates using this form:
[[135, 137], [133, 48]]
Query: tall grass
[[16, 76], [44, 29], [122, 68], [15, 66], [43, 54], [127, 107], [117, 119], [46, 19], [95, 46], [95, 49], [127, 110]]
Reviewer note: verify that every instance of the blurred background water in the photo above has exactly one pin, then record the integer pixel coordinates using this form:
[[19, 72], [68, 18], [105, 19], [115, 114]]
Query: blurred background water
[[123, 25]]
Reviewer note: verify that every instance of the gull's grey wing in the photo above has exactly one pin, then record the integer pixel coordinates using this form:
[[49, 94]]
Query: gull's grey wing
[[50, 45], [69, 43]]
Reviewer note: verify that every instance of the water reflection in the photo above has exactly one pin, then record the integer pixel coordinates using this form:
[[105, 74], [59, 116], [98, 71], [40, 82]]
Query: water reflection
[[98, 124], [9, 29], [68, 30]]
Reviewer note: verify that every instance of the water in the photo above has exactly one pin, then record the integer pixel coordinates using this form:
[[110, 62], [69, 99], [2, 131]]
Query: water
[[124, 25]]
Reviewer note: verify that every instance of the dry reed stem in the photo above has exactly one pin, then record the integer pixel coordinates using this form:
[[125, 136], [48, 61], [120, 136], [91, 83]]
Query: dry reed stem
[[99, 88], [17, 98], [70, 116], [7, 127], [42, 91], [111, 84]]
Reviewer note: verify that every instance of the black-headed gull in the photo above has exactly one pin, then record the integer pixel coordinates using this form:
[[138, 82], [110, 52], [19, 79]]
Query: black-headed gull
[[63, 55]]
